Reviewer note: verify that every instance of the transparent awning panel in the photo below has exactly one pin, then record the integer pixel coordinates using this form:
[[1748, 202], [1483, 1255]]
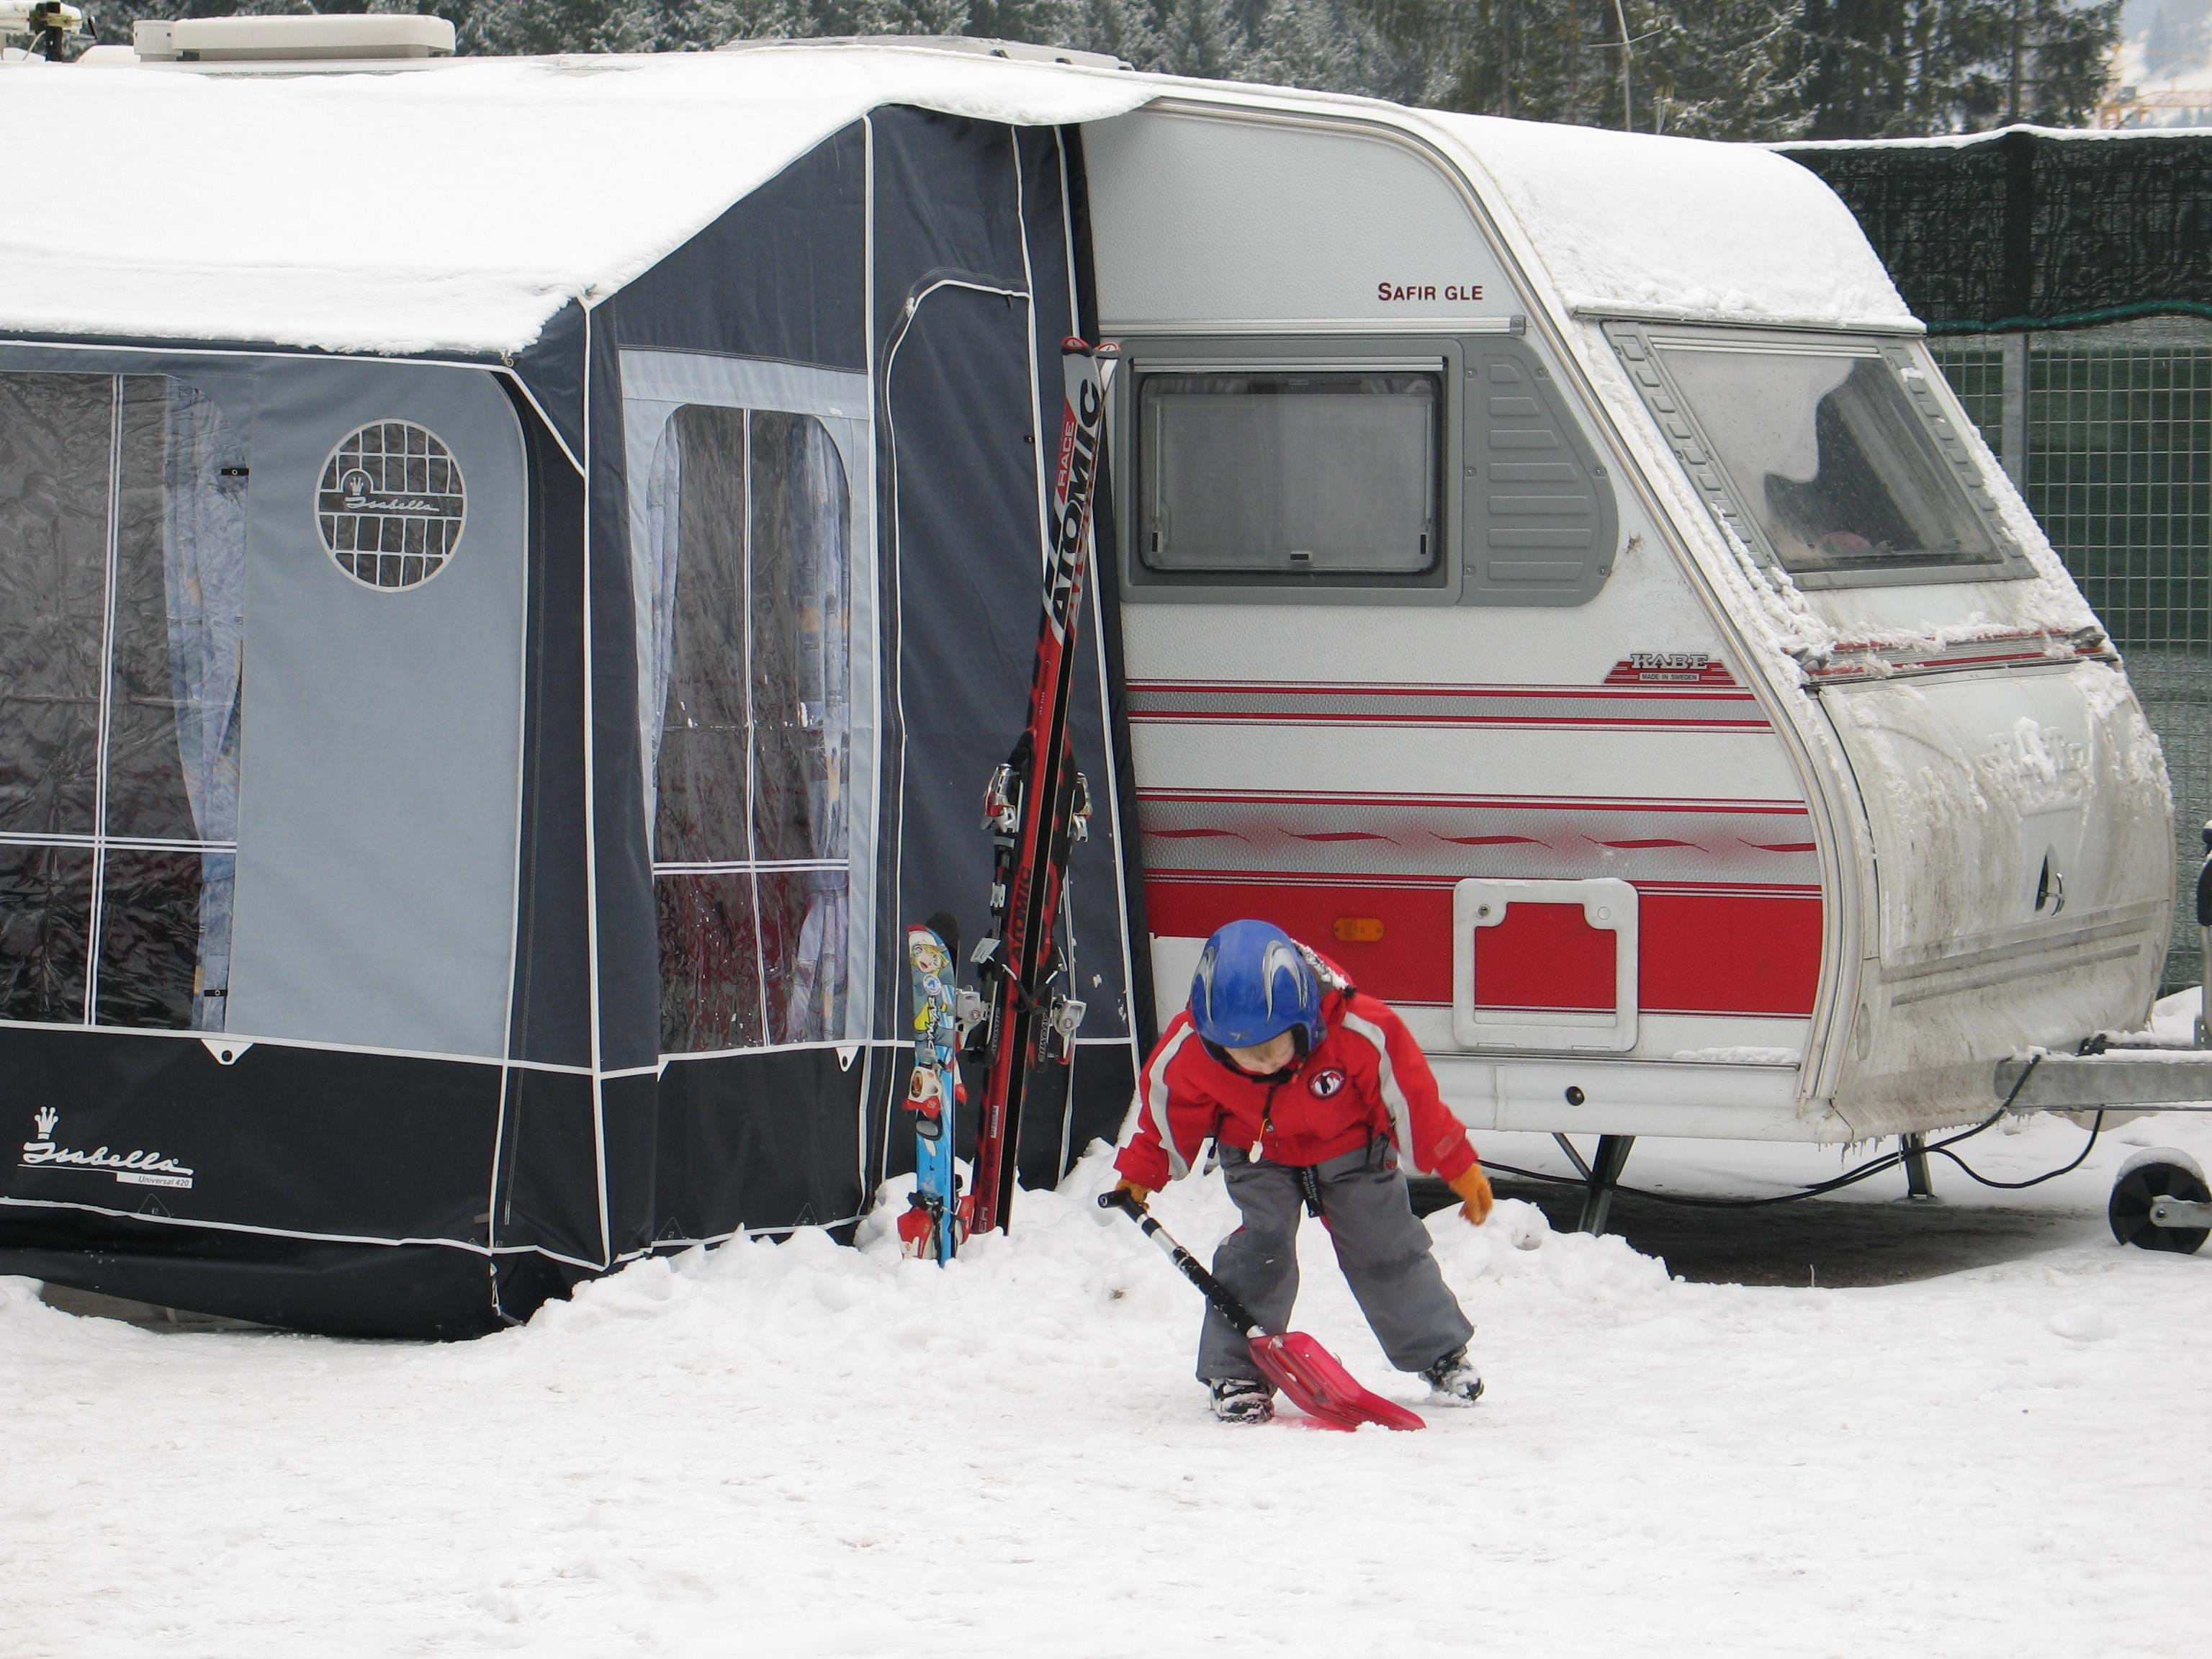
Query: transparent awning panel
[[1824, 450]]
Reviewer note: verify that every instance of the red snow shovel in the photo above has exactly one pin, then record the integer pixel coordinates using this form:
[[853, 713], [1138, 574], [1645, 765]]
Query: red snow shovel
[[1313, 1377]]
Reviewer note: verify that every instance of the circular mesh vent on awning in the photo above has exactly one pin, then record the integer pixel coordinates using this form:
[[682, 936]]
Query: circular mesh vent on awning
[[392, 504]]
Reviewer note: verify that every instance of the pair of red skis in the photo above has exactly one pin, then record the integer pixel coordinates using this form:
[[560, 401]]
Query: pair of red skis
[[1036, 807]]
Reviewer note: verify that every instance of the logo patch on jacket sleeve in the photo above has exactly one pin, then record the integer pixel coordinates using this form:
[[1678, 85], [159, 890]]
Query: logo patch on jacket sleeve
[[1326, 1082]]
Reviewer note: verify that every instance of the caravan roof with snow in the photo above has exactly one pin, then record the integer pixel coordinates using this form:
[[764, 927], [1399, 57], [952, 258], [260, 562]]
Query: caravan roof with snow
[[545, 194], [512, 583]]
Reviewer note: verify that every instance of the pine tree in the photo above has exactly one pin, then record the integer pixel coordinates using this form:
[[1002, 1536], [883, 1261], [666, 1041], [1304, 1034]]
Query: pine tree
[[2059, 58], [1719, 69], [1127, 29], [1881, 68], [1203, 38], [1736, 73]]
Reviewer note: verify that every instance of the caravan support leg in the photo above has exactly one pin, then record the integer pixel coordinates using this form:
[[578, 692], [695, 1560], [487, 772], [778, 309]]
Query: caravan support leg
[[1917, 1184], [1599, 1179]]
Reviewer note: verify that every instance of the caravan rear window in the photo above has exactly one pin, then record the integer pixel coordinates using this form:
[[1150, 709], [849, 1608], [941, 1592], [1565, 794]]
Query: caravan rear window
[[1824, 450], [122, 630], [1290, 471]]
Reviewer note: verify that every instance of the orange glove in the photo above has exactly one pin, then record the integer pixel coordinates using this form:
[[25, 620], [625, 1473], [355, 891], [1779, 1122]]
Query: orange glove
[[1474, 1190], [1140, 1193]]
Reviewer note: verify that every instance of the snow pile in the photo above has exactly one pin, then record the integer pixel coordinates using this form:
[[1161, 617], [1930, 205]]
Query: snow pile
[[1729, 232], [2174, 1019], [803, 1450], [1088, 1287], [453, 209]]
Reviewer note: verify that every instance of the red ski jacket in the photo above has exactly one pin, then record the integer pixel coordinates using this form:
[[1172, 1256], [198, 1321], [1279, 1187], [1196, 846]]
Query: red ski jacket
[[1366, 1077]]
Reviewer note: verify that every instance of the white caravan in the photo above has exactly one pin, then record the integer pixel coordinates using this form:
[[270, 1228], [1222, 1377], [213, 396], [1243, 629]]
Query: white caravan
[[1557, 581]]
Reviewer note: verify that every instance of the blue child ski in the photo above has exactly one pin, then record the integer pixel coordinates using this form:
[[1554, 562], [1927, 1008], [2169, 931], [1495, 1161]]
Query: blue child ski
[[932, 1226]]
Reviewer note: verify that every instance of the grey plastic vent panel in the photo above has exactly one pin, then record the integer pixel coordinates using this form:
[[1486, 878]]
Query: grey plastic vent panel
[[1541, 522]]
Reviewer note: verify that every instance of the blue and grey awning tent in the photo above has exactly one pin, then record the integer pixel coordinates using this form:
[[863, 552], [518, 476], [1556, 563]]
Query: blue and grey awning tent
[[512, 578]]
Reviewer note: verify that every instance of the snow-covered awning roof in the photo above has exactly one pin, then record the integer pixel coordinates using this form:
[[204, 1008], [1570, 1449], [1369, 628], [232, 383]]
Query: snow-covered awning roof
[[452, 208], [1632, 224], [457, 208]]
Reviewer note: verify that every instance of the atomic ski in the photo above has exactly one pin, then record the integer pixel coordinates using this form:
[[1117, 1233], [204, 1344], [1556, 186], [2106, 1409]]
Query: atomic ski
[[932, 1228], [1035, 806]]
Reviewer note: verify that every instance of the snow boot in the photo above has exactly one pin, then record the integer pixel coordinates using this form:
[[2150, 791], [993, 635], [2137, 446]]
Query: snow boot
[[1454, 1380], [1242, 1400]]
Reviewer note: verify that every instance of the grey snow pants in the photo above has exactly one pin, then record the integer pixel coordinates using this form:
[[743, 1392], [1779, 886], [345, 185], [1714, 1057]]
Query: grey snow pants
[[1382, 1249]]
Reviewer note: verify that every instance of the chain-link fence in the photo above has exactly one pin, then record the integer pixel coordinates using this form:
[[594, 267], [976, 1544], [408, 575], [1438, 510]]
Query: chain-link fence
[[2108, 431], [1975, 373]]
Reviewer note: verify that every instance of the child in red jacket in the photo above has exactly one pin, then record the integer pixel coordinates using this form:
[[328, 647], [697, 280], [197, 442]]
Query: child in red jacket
[[1312, 1092]]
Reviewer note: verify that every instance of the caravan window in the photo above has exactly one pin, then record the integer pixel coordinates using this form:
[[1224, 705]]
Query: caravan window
[[122, 624], [1824, 450], [748, 518], [1292, 472]]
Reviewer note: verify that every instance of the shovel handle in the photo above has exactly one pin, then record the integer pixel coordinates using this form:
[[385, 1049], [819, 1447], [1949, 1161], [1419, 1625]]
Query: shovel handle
[[1124, 1199], [1212, 1289]]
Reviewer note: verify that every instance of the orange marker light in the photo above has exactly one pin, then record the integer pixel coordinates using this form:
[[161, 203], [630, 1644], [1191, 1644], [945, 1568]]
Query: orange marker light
[[1358, 930]]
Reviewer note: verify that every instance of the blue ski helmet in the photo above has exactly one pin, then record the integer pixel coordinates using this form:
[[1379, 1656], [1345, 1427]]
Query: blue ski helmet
[[1254, 983]]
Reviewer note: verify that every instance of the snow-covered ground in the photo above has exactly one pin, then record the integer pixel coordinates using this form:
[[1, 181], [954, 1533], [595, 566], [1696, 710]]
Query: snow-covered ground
[[800, 1449]]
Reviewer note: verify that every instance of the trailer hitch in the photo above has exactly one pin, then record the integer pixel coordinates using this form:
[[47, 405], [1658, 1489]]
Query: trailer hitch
[[2171, 1211], [2160, 1200]]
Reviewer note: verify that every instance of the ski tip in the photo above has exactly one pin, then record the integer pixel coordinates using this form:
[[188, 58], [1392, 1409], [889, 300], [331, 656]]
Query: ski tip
[[947, 929]]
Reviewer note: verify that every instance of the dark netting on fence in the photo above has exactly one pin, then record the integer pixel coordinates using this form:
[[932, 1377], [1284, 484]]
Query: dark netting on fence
[[2030, 229]]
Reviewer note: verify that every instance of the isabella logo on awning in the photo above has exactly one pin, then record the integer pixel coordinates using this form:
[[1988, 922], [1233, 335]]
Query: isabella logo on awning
[[359, 493], [133, 1169]]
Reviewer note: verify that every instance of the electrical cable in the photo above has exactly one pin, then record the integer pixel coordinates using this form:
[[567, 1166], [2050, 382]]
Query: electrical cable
[[2088, 1145], [1850, 1177]]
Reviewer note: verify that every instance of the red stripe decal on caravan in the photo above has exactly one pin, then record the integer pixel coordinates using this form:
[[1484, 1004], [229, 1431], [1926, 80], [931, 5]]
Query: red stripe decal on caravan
[[1704, 700], [1754, 845], [1702, 951], [1669, 668]]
